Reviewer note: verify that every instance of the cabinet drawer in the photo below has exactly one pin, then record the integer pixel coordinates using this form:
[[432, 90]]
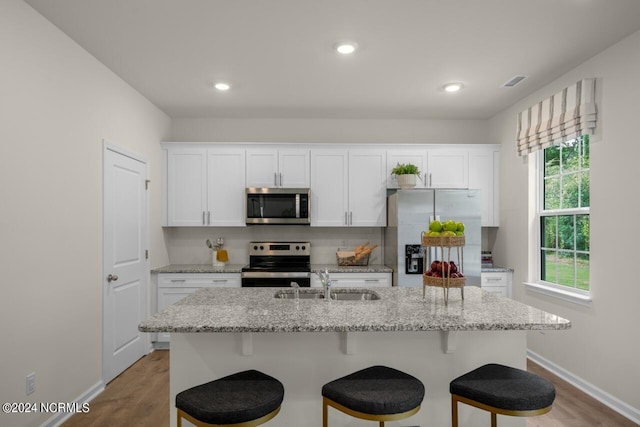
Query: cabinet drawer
[[199, 280], [356, 280], [493, 279]]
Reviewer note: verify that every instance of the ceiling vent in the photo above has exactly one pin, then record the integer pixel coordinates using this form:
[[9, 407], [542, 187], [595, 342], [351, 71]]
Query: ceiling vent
[[514, 81]]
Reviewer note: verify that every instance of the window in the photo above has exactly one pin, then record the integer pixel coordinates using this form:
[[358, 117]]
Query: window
[[563, 213]]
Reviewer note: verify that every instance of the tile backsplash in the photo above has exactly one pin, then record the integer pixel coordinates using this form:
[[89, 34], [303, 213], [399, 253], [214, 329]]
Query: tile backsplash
[[187, 245]]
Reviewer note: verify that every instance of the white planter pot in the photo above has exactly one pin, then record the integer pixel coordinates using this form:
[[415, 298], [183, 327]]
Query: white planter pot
[[406, 181]]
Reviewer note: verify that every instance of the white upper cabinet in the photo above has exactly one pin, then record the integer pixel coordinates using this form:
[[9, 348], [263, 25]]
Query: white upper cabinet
[[415, 157], [348, 188], [205, 184], [226, 189], [484, 167], [205, 187], [277, 168], [367, 192], [186, 187], [329, 187], [447, 168], [439, 167]]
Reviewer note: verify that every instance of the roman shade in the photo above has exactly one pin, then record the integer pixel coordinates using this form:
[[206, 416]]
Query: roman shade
[[566, 115]]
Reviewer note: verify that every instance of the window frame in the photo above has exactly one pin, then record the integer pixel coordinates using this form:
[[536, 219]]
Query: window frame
[[572, 294]]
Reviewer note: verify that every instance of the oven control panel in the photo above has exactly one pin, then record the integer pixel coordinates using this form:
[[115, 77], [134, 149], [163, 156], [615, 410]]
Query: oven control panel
[[279, 248]]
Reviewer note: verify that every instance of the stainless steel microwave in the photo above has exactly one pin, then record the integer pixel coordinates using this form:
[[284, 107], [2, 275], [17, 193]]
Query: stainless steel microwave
[[278, 206]]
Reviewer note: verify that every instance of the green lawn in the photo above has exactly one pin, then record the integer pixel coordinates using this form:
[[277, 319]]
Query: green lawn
[[561, 271]]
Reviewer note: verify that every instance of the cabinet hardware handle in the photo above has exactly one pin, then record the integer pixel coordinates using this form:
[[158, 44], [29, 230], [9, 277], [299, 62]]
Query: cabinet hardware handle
[[208, 217], [424, 182], [275, 179], [178, 280], [112, 278], [371, 280], [430, 180], [219, 281], [203, 223], [494, 279], [346, 221], [280, 179], [350, 217]]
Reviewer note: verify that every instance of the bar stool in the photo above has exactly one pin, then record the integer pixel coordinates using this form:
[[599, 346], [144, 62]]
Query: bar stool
[[378, 393], [502, 390], [245, 399]]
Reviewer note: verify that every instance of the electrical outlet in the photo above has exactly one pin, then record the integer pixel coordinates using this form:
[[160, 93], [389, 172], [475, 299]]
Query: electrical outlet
[[31, 383]]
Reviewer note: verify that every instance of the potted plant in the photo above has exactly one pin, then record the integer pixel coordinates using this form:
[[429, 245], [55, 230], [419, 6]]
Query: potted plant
[[406, 174]]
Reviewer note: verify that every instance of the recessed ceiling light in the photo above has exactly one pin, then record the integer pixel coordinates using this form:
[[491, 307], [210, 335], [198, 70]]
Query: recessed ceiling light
[[346, 48], [222, 86], [452, 87]]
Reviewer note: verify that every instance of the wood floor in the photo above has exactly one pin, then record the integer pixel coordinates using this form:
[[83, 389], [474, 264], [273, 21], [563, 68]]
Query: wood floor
[[140, 397]]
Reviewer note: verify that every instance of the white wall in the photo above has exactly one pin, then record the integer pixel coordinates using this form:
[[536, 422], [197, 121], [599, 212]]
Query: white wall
[[603, 345], [57, 103], [330, 130]]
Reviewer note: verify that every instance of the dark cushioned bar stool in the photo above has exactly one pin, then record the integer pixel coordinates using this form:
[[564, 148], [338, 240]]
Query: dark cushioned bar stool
[[502, 390], [377, 393], [244, 399]]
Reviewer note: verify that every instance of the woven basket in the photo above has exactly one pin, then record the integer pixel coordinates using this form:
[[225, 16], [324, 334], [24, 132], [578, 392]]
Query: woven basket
[[352, 261], [444, 282], [447, 242]]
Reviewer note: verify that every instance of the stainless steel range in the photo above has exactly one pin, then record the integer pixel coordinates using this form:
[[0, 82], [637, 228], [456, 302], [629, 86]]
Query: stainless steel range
[[277, 264]]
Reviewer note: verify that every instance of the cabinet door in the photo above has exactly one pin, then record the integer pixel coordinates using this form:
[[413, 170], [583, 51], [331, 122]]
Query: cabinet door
[[226, 187], [483, 170], [447, 169], [186, 187], [329, 188], [167, 297], [416, 157], [293, 168], [367, 188], [262, 168]]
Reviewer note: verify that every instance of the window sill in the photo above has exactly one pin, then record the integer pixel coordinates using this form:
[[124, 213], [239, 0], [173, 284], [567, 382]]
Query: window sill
[[566, 295]]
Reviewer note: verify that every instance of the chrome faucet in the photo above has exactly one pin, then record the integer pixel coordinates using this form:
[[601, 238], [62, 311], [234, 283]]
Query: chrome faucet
[[296, 290], [326, 283]]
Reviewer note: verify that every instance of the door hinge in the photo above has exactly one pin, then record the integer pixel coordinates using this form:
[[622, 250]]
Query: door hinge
[[146, 254], [146, 184]]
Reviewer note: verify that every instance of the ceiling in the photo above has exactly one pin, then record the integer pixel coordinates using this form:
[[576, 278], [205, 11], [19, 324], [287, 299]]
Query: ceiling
[[278, 54]]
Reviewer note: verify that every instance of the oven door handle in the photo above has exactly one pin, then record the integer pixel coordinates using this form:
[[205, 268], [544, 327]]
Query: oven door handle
[[278, 274]]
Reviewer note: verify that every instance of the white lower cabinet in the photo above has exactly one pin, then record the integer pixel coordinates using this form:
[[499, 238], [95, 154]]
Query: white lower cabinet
[[172, 287], [497, 282], [355, 280]]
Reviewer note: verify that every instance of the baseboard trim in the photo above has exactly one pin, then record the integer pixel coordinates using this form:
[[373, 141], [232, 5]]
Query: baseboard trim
[[87, 396], [600, 395]]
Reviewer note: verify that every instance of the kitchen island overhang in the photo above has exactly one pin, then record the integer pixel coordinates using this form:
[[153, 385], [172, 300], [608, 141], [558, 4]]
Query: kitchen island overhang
[[307, 343]]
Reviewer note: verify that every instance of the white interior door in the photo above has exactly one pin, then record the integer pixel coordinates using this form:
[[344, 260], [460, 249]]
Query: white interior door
[[124, 266]]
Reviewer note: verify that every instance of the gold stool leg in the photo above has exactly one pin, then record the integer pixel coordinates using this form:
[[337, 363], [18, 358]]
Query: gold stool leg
[[454, 412], [324, 413], [494, 419]]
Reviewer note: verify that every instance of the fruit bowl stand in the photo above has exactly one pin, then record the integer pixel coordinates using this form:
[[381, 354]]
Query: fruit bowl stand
[[448, 282]]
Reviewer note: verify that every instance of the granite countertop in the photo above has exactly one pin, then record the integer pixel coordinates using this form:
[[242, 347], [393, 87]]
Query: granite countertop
[[399, 309], [237, 268], [496, 269], [335, 268], [198, 268]]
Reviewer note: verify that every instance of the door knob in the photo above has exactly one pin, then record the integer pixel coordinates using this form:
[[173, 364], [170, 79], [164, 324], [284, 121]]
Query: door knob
[[112, 278]]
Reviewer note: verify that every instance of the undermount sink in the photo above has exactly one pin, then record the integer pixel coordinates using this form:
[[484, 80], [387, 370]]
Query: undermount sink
[[337, 295], [354, 296], [290, 294]]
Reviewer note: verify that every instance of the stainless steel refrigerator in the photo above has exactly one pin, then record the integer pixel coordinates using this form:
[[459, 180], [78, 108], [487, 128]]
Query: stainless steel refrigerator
[[409, 213]]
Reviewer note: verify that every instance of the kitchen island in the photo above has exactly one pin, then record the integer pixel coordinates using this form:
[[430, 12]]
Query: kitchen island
[[308, 342]]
